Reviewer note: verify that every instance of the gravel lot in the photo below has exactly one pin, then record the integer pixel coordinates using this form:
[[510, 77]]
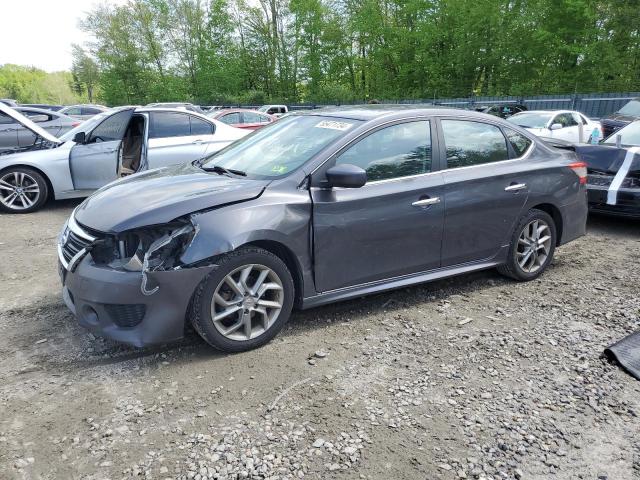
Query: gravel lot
[[473, 377]]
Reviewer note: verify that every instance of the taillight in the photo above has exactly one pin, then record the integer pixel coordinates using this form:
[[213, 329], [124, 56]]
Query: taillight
[[580, 169], [75, 124]]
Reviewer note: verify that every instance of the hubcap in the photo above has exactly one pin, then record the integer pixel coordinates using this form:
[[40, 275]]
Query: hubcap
[[534, 245], [18, 190], [247, 302]]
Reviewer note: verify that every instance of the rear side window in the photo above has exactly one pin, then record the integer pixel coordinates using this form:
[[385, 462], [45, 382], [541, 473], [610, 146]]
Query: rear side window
[[6, 119], [169, 124], [73, 111], [252, 117], [231, 118], [112, 128], [473, 143], [90, 111], [36, 117], [518, 142], [392, 152], [200, 127]]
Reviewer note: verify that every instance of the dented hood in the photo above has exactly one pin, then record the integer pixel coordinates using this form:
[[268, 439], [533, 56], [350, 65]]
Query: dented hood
[[19, 118], [159, 196]]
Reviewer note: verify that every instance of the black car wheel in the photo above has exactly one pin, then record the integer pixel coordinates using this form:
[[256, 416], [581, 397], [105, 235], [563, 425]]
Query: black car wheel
[[532, 246], [22, 190], [244, 302]]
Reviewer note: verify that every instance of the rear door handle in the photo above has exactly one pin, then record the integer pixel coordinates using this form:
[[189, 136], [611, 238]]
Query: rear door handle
[[426, 202], [514, 187]]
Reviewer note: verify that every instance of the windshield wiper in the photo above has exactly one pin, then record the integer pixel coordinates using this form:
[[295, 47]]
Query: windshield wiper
[[222, 170]]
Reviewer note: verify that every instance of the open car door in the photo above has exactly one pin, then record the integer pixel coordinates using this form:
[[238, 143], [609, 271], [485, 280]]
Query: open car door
[[94, 163]]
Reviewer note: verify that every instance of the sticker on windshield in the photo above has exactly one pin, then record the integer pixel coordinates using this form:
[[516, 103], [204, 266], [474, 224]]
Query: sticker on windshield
[[333, 125], [279, 169]]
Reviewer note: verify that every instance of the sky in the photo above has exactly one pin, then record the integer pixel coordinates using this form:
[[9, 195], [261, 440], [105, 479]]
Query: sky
[[39, 33]]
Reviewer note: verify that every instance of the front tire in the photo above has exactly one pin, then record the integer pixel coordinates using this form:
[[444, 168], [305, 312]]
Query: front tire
[[532, 246], [22, 190], [244, 302]]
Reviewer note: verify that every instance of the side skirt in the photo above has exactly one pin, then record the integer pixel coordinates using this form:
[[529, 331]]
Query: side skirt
[[399, 282]]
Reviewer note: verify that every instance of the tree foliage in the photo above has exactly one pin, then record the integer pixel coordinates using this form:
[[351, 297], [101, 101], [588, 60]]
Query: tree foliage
[[32, 85], [255, 51]]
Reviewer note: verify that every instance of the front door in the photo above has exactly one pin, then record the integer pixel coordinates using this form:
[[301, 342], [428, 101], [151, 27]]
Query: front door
[[390, 227], [485, 189], [95, 163]]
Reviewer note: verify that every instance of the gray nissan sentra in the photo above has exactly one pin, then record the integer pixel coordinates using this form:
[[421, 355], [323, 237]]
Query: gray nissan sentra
[[316, 208]]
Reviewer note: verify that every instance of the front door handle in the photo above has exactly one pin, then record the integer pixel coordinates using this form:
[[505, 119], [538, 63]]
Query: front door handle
[[426, 202], [515, 187]]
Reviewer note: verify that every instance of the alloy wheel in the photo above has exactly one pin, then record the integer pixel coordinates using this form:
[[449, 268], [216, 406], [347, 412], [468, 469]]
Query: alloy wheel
[[534, 245], [247, 302], [19, 190]]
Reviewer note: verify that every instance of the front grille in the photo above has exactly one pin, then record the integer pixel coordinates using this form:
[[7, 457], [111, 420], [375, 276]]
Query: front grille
[[599, 180], [74, 244], [125, 316]]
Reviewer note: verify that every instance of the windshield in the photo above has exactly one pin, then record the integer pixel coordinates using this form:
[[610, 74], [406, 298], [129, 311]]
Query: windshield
[[281, 147], [631, 108], [531, 119], [630, 135], [85, 126]]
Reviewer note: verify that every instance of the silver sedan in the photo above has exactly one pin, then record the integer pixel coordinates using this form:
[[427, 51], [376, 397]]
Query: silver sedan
[[14, 135], [106, 147]]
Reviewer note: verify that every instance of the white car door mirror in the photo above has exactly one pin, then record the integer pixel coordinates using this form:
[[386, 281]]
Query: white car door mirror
[[555, 126]]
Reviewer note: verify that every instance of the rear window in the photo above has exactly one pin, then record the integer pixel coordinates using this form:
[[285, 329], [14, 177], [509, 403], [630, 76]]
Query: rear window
[[631, 108]]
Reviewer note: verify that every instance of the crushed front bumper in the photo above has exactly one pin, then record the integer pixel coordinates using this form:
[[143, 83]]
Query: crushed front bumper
[[110, 303]]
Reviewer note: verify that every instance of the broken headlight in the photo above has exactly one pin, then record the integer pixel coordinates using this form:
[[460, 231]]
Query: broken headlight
[[145, 249]]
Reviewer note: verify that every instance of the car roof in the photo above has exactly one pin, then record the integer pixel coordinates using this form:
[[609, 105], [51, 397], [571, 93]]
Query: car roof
[[554, 112], [370, 112], [233, 110]]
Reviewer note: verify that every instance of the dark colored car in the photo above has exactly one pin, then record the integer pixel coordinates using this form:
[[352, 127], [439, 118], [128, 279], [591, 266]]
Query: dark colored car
[[613, 168], [627, 114], [243, 118], [312, 209], [504, 110]]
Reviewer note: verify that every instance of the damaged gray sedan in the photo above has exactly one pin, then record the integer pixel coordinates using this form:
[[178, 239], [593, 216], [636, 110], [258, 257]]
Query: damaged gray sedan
[[316, 208]]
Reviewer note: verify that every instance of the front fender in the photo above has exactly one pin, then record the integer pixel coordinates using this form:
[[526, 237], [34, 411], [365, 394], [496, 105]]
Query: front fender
[[280, 217], [53, 163]]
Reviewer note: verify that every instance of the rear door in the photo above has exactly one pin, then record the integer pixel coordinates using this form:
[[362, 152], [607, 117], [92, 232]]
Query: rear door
[[95, 163], [390, 227], [486, 188], [176, 137]]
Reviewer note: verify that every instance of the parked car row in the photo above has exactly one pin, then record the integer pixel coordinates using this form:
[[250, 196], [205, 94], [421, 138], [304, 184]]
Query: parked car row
[[108, 146]]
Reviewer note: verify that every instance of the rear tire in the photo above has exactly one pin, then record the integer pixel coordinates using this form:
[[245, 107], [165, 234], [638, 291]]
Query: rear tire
[[533, 244], [22, 190], [244, 302]]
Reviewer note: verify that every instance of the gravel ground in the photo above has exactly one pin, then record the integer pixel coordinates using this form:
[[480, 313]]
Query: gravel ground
[[472, 377]]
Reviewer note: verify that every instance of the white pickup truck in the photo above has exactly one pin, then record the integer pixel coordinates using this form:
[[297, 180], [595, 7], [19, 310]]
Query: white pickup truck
[[275, 110]]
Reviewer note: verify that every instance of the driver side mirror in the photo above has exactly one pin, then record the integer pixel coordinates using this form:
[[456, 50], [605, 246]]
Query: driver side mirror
[[555, 126], [80, 138], [346, 176]]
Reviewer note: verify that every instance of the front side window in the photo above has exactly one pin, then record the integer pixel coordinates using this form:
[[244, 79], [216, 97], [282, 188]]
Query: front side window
[[281, 147], [252, 117], [169, 124], [112, 128], [6, 119], [200, 127], [72, 111], [397, 151], [473, 143], [565, 119], [90, 111], [518, 142]]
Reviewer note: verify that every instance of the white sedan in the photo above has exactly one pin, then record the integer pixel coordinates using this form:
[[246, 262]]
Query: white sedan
[[562, 124], [106, 147]]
